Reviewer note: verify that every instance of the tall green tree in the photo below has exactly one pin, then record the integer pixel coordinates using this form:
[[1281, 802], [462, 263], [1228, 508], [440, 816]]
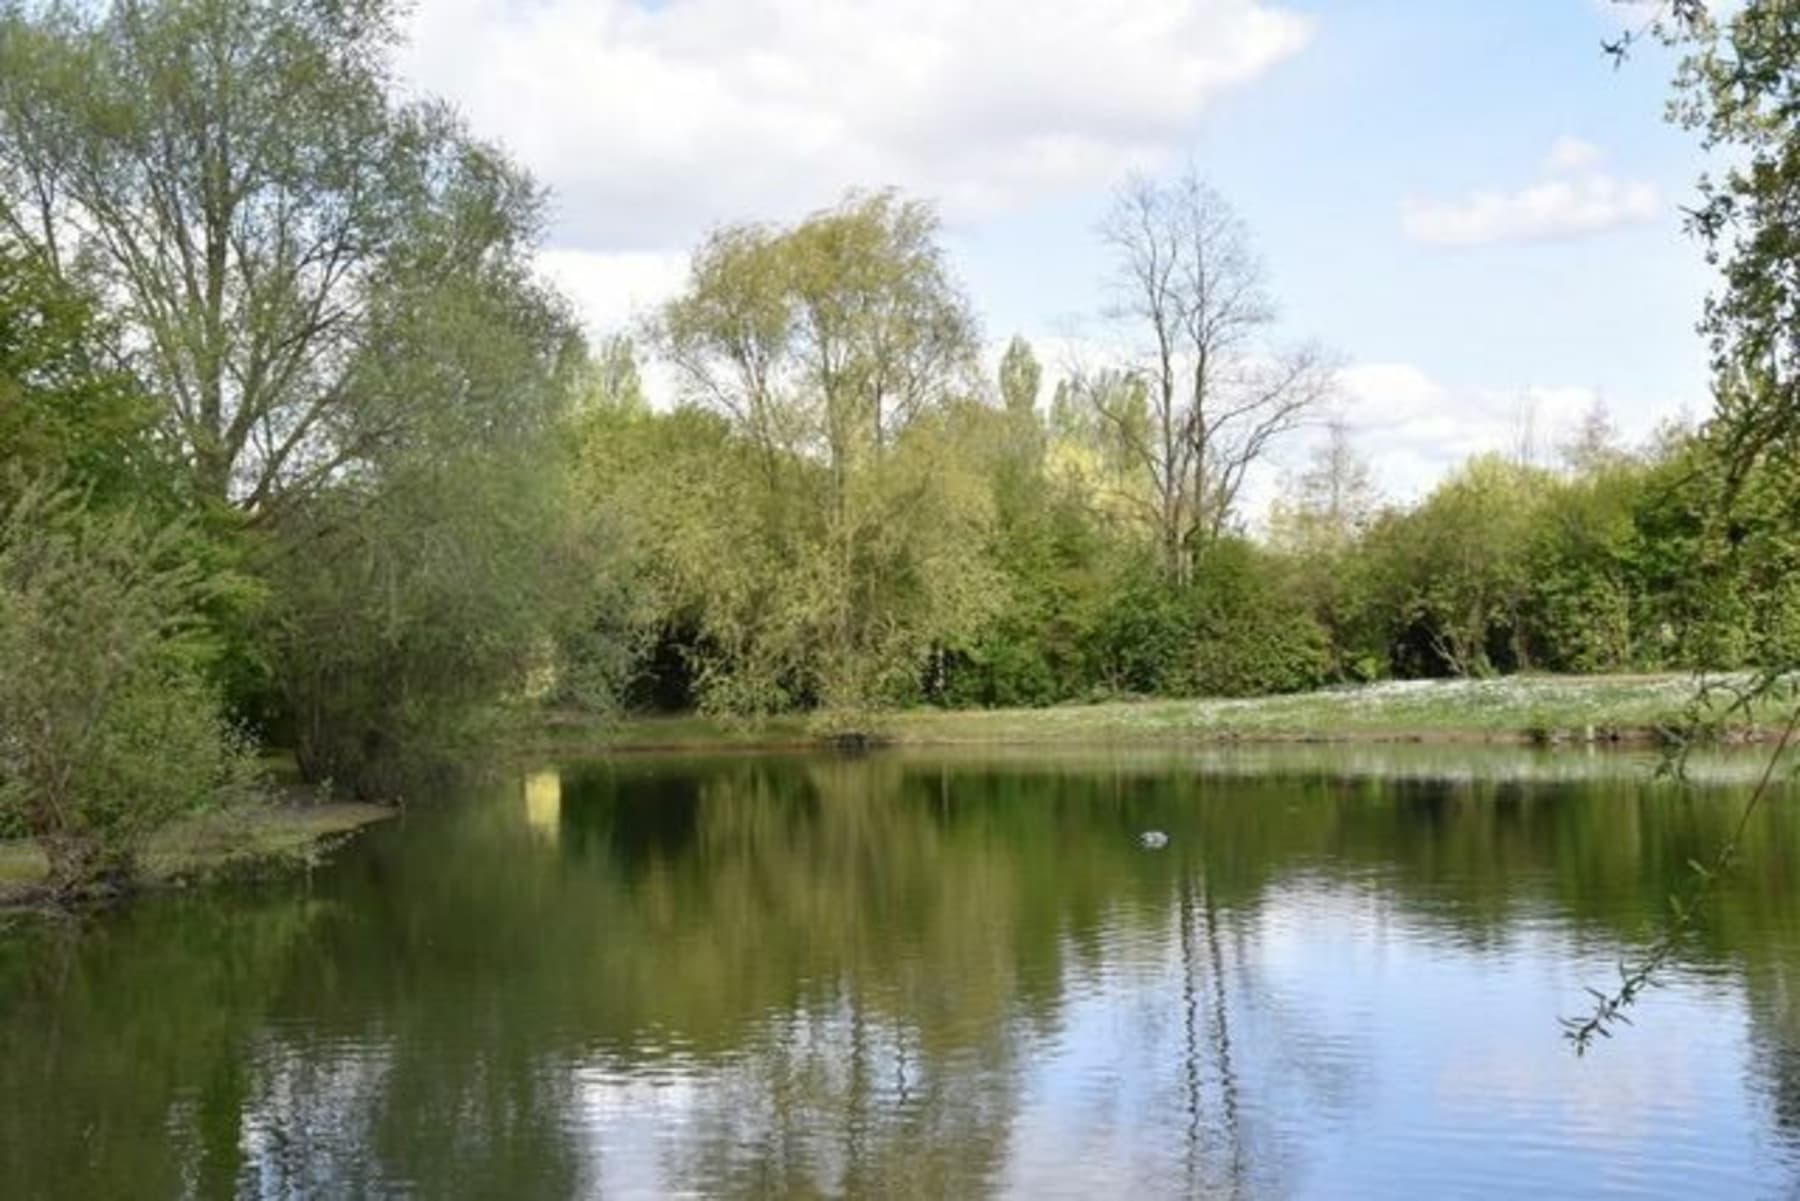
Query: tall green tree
[[327, 295], [1584, 612], [1046, 544], [238, 181], [399, 610], [1739, 88], [1021, 377], [834, 349], [109, 600]]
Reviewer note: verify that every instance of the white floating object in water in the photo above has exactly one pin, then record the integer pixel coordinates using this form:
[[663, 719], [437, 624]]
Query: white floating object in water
[[1153, 840]]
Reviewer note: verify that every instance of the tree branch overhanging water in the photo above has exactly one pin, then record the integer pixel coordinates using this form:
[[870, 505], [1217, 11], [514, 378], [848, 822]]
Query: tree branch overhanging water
[[1610, 1007]]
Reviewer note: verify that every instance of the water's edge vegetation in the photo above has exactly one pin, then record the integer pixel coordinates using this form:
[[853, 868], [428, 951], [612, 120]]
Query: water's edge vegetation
[[248, 841], [1617, 711], [1627, 713]]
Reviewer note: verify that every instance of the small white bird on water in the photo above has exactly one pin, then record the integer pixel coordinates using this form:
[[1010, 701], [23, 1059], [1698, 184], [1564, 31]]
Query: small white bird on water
[[1153, 840]]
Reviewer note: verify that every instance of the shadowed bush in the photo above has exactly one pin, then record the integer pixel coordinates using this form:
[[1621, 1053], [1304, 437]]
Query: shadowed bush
[[108, 726]]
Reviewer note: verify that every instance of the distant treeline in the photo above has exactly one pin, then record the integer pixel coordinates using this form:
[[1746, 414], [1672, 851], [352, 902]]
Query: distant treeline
[[1007, 563]]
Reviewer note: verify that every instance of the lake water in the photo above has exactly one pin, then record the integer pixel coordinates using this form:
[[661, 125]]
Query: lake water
[[957, 976]]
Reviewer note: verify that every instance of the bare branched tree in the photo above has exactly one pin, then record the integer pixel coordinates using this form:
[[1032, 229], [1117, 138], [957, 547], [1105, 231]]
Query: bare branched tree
[[1215, 397]]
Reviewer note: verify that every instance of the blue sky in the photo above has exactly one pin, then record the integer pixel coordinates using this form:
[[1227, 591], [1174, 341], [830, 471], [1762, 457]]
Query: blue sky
[[1461, 198]]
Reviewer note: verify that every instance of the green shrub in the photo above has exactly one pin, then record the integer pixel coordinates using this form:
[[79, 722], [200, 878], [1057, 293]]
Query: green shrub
[[108, 726], [1250, 634], [1139, 636], [1005, 668], [400, 611]]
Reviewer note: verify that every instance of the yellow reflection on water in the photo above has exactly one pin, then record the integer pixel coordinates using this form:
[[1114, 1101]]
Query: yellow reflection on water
[[543, 802]]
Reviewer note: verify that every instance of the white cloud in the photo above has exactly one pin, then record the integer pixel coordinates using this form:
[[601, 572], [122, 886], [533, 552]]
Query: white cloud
[[1579, 200], [1414, 429], [1569, 153], [613, 290], [652, 121]]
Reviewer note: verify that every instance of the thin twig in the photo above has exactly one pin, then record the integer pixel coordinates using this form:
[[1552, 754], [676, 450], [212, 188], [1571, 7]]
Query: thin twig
[[1609, 1007]]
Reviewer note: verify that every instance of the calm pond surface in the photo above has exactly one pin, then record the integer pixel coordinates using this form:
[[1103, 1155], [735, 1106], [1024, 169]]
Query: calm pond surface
[[953, 976]]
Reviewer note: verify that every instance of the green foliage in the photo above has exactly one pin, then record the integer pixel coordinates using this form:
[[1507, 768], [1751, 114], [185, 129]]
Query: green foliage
[[110, 726], [823, 533], [412, 592], [401, 608], [1455, 568], [1319, 527], [315, 302], [1238, 629], [238, 180], [116, 612], [1050, 554], [1737, 88], [1611, 563], [1249, 633], [63, 411], [1751, 560], [1138, 637], [1581, 562], [1021, 377]]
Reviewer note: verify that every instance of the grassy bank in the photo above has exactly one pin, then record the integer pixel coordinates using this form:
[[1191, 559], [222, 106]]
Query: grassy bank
[[1515, 709], [207, 845]]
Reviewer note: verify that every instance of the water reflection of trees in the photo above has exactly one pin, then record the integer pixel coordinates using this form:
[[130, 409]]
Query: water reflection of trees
[[860, 959]]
